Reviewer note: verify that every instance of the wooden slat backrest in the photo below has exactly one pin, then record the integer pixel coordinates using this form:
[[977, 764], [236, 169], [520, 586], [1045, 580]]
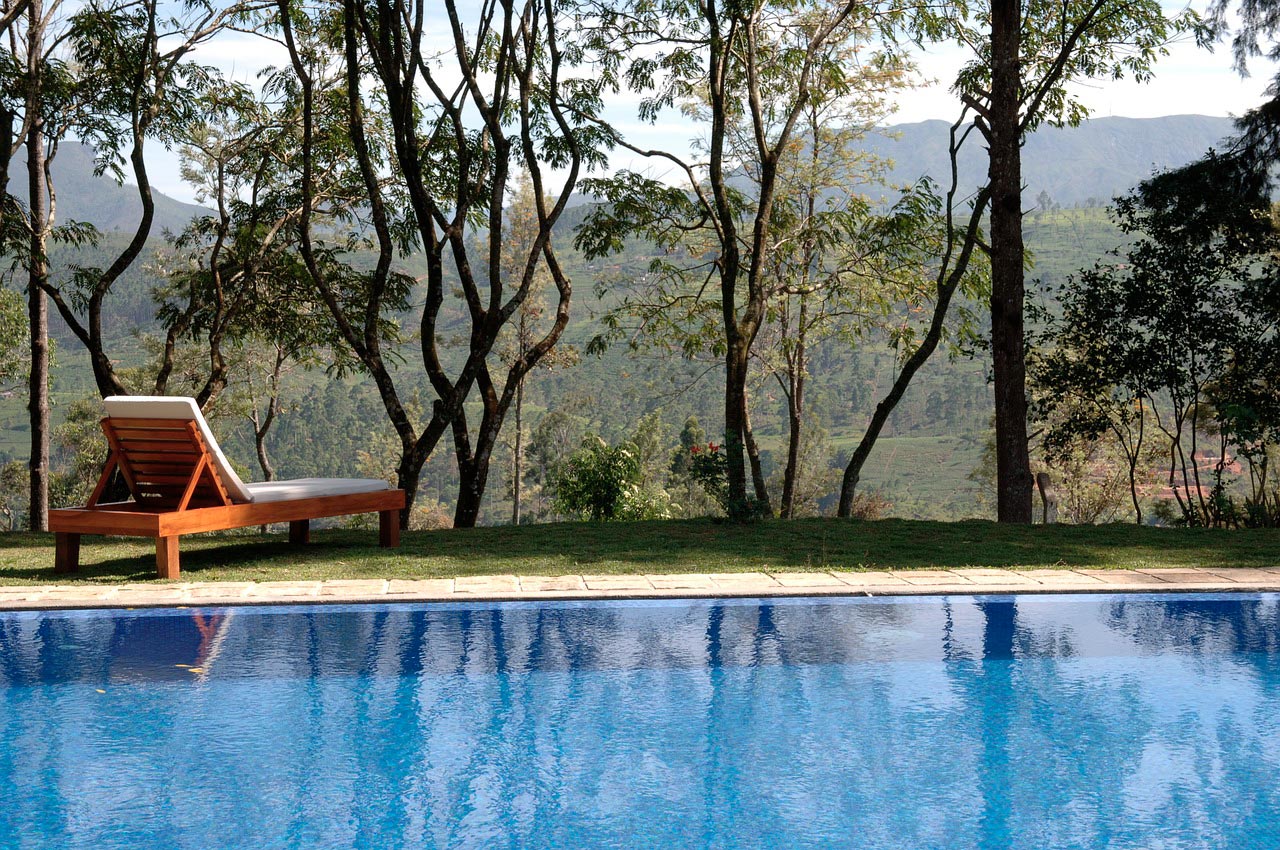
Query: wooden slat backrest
[[165, 462]]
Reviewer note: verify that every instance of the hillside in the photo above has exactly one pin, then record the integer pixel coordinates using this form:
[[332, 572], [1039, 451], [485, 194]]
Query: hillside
[[1089, 164], [921, 465], [100, 201]]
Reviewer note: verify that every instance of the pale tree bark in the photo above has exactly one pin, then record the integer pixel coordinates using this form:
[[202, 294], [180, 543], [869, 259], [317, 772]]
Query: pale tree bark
[[793, 389], [517, 458]]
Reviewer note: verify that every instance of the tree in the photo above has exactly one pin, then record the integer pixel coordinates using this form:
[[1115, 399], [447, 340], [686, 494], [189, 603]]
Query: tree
[[234, 281], [749, 68], [433, 150], [957, 270], [40, 99], [858, 281], [1165, 331], [554, 439], [603, 482], [14, 491], [521, 230], [1027, 53], [839, 268], [132, 55]]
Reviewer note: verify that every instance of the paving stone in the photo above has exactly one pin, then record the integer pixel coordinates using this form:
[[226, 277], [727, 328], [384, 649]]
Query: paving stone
[[66, 594], [543, 584], [1059, 578], [617, 582], [911, 582], [149, 586], [486, 584], [870, 577], [737, 581], [353, 587], [1185, 576], [682, 581], [928, 577], [19, 591], [279, 589], [994, 577], [1248, 575], [428, 587], [1123, 577], [157, 592], [31, 595], [142, 599], [219, 590], [807, 580]]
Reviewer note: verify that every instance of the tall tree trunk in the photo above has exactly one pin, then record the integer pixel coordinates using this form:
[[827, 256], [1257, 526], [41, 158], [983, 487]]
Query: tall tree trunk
[[735, 380], [753, 456], [795, 412], [7, 119], [473, 464], [516, 458], [38, 272], [1013, 463]]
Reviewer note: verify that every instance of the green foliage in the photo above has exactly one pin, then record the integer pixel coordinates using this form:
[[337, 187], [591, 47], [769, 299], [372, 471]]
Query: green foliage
[[709, 467], [603, 482], [15, 488], [79, 452], [13, 337], [1066, 42], [1182, 329]]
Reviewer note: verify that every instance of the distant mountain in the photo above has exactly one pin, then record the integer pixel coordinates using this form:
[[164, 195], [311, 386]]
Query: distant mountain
[[100, 201], [1098, 160]]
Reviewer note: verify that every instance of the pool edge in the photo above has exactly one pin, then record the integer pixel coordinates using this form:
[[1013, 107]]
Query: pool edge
[[586, 587]]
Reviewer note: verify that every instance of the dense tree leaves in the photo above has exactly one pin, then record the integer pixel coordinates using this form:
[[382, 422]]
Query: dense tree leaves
[[1181, 330]]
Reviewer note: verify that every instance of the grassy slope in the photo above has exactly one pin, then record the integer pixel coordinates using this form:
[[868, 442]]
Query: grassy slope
[[655, 547]]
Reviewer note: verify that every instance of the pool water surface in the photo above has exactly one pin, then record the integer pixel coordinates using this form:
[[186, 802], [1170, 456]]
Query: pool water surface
[[1071, 721]]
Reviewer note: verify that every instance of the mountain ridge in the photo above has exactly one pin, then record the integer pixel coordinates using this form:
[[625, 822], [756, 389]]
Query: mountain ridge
[[1094, 162], [98, 199]]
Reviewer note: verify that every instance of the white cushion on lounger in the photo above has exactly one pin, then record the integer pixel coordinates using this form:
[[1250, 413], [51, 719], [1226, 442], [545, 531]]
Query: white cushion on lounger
[[179, 407], [310, 488]]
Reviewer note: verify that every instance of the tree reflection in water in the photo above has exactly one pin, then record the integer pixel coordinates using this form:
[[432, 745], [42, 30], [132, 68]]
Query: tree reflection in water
[[963, 722]]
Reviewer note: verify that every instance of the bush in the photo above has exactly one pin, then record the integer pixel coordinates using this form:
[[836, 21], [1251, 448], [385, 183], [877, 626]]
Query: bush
[[602, 482], [870, 506], [709, 467]]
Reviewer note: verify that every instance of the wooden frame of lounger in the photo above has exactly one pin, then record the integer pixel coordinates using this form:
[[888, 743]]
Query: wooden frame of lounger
[[177, 490]]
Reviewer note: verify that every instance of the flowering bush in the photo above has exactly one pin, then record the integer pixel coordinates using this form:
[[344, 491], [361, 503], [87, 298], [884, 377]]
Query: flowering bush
[[602, 482]]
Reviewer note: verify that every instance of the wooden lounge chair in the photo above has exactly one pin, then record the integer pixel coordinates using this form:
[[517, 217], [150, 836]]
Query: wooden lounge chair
[[181, 483]]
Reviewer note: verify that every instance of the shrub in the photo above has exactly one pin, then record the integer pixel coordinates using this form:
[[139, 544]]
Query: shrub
[[710, 468], [602, 482]]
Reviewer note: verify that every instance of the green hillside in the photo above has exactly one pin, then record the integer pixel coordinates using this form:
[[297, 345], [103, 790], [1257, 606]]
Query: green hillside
[[920, 465]]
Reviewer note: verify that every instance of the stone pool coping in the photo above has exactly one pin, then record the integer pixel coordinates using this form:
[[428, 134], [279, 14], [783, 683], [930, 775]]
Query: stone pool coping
[[691, 585]]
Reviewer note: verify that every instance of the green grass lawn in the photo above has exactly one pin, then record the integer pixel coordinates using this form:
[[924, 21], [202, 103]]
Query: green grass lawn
[[653, 547]]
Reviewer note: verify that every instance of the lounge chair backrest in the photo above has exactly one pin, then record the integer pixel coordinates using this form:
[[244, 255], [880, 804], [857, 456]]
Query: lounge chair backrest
[[185, 410]]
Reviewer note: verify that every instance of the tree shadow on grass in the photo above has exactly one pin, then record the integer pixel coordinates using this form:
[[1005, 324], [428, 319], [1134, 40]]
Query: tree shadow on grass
[[658, 546]]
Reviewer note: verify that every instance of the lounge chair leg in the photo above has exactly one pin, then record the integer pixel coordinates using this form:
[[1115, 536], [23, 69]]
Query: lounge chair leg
[[167, 557], [300, 531], [66, 556], [389, 529]]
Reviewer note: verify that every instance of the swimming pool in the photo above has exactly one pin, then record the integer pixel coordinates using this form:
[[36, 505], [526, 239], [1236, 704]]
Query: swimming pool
[[1142, 721]]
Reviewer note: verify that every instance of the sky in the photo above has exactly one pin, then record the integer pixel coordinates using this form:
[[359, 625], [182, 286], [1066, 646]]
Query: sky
[[1189, 81]]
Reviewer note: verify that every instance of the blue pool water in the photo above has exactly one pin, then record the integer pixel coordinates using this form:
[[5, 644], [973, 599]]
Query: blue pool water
[[962, 722]]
